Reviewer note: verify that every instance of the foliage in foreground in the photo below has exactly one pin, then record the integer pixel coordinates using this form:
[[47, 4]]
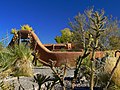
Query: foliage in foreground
[[15, 61], [88, 29]]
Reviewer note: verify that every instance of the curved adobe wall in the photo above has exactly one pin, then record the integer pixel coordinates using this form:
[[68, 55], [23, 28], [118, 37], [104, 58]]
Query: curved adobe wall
[[59, 57]]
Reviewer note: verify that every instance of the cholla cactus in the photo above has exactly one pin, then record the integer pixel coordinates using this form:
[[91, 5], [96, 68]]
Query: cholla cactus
[[97, 21]]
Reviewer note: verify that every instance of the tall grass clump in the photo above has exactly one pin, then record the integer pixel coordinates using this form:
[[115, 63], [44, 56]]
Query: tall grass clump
[[15, 61], [110, 64]]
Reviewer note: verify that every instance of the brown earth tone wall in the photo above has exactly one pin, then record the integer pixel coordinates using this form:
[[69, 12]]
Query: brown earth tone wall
[[60, 57]]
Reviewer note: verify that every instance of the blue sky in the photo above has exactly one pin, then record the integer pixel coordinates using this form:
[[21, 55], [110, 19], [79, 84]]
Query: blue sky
[[48, 17]]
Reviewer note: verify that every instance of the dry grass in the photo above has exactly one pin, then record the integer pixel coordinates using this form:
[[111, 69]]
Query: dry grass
[[23, 68], [16, 61], [110, 63]]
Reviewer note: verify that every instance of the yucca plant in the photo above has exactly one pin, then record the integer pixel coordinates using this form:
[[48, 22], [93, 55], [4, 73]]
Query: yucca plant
[[16, 61], [6, 60]]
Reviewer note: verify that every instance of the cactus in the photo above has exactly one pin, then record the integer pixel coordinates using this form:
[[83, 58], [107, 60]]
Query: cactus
[[26, 27], [97, 26], [13, 31]]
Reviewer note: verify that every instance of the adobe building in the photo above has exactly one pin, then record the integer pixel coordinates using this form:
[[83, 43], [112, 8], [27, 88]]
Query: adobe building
[[58, 47]]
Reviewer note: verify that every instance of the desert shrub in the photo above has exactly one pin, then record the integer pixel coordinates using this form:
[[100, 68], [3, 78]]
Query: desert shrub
[[6, 86], [110, 63], [15, 61], [113, 87]]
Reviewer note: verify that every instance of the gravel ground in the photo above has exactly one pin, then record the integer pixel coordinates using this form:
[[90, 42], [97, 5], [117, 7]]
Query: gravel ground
[[47, 71], [28, 84]]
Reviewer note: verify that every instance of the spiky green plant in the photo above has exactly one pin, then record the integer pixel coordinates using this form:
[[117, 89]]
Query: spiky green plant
[[26, 27], [15, 61], [13, 31], [95, 24], [58, 74], [41, 79]]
